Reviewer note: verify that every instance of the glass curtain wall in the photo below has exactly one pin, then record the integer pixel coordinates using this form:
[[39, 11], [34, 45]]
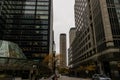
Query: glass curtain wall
[[28, 25]]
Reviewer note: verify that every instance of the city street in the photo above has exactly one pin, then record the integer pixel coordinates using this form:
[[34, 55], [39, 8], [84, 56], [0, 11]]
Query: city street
[[67, 78], [71, 78], [59, 39]]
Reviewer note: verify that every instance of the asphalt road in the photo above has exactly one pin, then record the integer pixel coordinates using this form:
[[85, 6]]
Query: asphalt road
[[67, 78], [71, 78]]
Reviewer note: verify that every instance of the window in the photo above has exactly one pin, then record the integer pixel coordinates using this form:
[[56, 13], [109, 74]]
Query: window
[[44, 32], [29, 7], [29, 12], [43, 0], [44, 27], [44, 37], [42, 17], [44, 43], [30, 3], [42, 12], [42, 3], [44, 22], [42, 8], [41, 27]]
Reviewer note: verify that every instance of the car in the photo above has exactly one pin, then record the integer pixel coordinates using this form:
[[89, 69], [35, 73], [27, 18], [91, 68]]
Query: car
[[100, 77]]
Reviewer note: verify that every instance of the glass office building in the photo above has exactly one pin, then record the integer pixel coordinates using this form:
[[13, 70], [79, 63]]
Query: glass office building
[[1, 20], [29, 24]]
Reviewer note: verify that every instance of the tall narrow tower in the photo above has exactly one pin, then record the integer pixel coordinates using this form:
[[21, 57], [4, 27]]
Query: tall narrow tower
[[72, 35], [63, 54]]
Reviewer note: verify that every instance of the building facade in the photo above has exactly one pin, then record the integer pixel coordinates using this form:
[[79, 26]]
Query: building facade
[[2, 20], [29, 24], [72, 35], [63, 54], [97, 36]]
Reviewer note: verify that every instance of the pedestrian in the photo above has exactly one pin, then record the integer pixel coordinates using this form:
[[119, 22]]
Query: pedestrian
[[54, 77]]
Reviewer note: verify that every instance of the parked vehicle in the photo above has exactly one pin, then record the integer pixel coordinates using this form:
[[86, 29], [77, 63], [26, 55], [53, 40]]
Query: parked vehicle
[[100, 77]]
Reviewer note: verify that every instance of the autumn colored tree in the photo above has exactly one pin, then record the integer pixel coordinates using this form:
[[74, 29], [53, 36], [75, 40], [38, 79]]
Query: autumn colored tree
[[63, 70], [47, 58]]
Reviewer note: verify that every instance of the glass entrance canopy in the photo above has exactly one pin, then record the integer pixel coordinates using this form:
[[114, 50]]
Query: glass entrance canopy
[[12, 57]]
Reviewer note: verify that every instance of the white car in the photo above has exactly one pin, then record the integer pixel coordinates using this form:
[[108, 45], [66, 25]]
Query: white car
[[100, 77]]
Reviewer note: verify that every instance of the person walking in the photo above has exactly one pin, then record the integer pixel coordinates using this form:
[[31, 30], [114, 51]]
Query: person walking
[[55, 77]]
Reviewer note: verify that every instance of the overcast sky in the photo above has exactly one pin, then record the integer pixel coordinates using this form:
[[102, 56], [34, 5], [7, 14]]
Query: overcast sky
[[63, 11]]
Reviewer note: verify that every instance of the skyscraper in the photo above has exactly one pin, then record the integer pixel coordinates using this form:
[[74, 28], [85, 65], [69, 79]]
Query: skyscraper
[[29, 24], [63, 54], [97, 39], [71, 35], [2, 19]]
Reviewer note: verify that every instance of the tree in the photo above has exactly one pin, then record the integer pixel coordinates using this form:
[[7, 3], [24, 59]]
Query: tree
[[63, 70], [47, 59], [43, 68]]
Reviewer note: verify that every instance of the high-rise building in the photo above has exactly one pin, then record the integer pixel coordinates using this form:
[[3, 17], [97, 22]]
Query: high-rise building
[[97, 39], [72, 35], [63, 54], [2, 20], [29, 24]]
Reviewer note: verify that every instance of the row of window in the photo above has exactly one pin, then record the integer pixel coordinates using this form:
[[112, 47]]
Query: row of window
[[35, 12], [26, 37], [42, 17], [36, 0], [26, 12], [112, 1], [34, 43], [35, 38], [83, 49], [27, 27], [83, 56], [26, 32], [38, 7], [35, 49], [38, 3], [27, 17], [28, 22], [39, 17]]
